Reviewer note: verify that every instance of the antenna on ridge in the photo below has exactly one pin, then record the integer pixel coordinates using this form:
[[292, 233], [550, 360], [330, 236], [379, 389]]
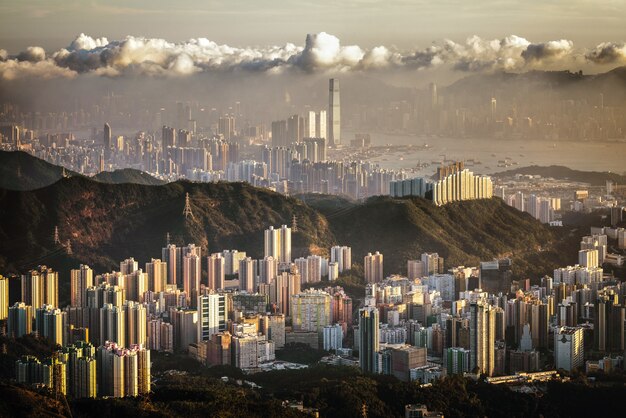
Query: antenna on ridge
[[187, 211], [57, 241], [294, 224], [68, 247]]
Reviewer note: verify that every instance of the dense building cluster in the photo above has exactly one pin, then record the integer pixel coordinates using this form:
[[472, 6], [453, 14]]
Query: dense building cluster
[[229, 309]]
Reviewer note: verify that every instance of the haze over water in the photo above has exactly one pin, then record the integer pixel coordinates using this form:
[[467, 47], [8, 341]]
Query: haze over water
[[577, 155]]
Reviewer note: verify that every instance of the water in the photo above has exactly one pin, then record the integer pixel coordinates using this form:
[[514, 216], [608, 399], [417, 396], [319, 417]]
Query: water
[[586, 156]]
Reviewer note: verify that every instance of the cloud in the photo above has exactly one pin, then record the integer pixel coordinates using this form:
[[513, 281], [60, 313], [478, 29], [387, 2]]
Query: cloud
[[607, 53], [547, 51], [32, 54], [14, 70], [321, 53]]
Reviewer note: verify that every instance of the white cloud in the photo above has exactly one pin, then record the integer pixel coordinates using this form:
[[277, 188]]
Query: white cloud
[[322, 52]]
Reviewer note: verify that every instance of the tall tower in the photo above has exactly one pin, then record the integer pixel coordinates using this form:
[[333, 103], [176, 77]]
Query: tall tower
[[106, 139], [334, 113], [368, 338], [482, 337], [191, 277]]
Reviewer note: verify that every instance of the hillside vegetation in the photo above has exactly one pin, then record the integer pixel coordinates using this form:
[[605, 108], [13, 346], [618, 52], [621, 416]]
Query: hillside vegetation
[[127, 175]]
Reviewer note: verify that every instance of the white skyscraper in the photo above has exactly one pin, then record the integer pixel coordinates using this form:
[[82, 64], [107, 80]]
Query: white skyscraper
[[342, 255], [278, 243], [568, 348], [211, 315]]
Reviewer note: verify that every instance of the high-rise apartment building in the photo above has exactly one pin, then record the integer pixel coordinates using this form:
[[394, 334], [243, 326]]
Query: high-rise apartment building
[[50, 323], [80, 280], [457, 360], [171, 255], [342, 255], [215, 271], [588, 258], [373, 267], [278, 243], [20, 320], [4, 298], [192, 274], [247, 275], [157, 275], [136, 322], [568, 348], [432, 264], [482, 337], [311, 310], [211, 315], [40, 287]]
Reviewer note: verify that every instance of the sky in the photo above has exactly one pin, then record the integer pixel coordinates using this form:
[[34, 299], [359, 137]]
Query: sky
[[402, 23], [53, 39]]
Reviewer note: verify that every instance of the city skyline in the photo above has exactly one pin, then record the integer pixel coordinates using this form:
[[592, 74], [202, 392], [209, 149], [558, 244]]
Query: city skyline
[[322, 209]]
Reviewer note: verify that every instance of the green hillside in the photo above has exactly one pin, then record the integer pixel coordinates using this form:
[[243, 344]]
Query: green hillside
[[464, 233], [106, 223]]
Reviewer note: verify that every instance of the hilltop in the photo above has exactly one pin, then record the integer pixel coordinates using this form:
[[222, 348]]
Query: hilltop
[[22, 171]]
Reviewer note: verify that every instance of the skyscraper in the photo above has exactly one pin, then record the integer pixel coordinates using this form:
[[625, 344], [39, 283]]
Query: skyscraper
[[368, 338], [211, 315], [247, 275], [157, 275], [227, 127], [80, 280], [40, 287], [171, 255], [4, 298], [279, 133], [334, 113], [568, 348], [215, 271], [20, 320], [191, 277], [373, 266], [310, 310], [342, 255], [107, 140], [482, 337], [278, 243]]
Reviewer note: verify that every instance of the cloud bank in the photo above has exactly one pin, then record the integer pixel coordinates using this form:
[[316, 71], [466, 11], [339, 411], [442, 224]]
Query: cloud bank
[[321, 52]]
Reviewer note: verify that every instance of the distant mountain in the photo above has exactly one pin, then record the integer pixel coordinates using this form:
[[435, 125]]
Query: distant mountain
[[22, 171], [565, 85], [127, 175], [595, 178]]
